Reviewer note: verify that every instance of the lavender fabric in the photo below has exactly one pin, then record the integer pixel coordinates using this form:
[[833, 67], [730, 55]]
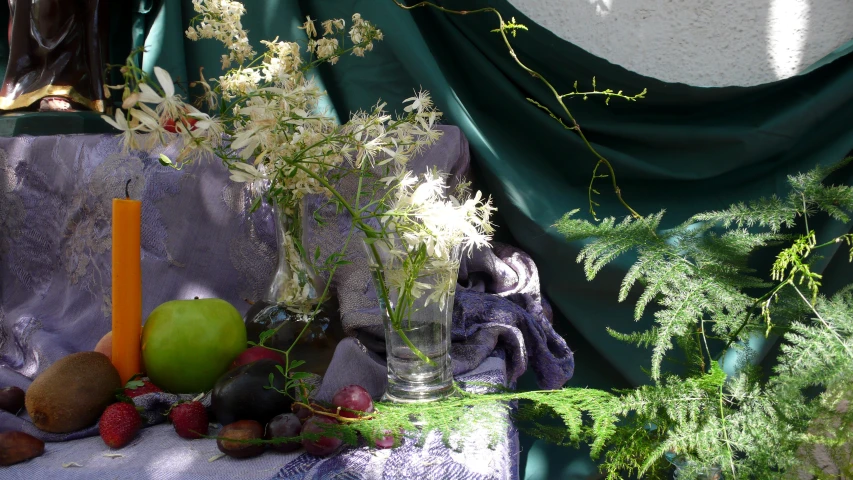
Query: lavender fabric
[[199, 240]]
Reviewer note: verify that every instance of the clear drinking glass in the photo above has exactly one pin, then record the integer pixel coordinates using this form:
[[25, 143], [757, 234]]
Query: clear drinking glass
[[417, 326]]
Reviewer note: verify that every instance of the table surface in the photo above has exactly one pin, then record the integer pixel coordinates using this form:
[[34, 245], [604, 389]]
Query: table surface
[[157, 453]]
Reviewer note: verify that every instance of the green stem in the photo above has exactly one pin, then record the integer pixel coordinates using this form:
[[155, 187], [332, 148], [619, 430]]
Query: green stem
[[369, 233], [726, 434], [766, 298], [575, 126]]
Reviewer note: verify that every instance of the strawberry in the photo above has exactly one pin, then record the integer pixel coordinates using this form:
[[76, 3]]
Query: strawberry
[[119, 424], [189, 419], [171, 126], [135, 388]]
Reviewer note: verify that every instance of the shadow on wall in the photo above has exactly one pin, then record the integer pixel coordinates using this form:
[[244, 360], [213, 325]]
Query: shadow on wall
[[702, 43]]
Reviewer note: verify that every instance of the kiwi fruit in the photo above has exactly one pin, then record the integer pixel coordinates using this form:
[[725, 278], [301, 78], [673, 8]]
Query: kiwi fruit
[[73, 392]]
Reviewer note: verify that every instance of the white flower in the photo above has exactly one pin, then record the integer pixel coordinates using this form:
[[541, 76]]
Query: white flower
[[220, 20], [276, 130], [148, 119], [326, 48], [308, 26], [427, 220], [169, 105], [420, 102], [243, 172], [120, 122], [129, 140]]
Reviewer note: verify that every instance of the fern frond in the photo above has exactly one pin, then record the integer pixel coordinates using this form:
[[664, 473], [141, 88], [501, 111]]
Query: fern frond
[[660, 277], [610, 239], [640, 339], [772, 213], [818, 352], [812, 180], [808, 188], [696, 276]]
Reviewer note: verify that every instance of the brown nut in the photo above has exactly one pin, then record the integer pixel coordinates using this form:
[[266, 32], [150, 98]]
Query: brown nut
[[238, 431], [16, 447]]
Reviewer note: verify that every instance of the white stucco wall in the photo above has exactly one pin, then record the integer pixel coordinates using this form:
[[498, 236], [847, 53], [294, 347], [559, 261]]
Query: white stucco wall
[[701, 42]]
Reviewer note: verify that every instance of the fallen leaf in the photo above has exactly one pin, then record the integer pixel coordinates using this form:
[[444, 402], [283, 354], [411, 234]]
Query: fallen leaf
[[215, 457], [113, 455], [71, 464]]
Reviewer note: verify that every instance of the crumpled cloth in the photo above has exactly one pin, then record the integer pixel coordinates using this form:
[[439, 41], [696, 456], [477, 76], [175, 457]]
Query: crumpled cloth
[[199, 240]]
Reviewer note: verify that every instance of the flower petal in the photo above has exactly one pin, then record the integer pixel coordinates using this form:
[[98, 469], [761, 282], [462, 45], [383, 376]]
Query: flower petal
[[120, 123], [148, 95], [165, 80]]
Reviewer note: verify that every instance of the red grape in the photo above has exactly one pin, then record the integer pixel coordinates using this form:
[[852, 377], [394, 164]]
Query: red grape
[[231, 439], [302, 413], [284, 425], [385, 442], [353, 400], [323, 445]]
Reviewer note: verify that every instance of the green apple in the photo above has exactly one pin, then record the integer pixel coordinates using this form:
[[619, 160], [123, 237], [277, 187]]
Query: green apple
[[188, 344]]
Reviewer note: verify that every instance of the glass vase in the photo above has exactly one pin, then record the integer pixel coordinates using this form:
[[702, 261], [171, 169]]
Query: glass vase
[[417, 322], [289, 307]]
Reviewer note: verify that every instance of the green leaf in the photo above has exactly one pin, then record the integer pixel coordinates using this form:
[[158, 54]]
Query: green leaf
[[134, 384], [317, 253], [318, 218], [255, 204], [165, 161], [271, 379], [299, 375], [266, 334], [296, 364]]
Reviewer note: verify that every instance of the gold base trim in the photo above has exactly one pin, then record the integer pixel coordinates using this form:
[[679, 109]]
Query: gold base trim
[[30, 98]]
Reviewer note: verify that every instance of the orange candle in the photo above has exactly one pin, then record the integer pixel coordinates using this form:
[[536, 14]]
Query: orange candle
[[127, 286]]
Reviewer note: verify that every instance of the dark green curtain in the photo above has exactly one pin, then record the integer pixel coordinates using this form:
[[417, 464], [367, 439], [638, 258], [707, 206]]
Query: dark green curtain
[[683, 148]]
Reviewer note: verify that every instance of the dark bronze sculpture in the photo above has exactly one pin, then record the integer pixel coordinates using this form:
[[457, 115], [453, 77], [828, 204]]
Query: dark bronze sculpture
[[57, 50]]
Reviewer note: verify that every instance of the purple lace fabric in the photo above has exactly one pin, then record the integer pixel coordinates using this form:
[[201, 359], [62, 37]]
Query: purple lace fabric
[[198, 240]]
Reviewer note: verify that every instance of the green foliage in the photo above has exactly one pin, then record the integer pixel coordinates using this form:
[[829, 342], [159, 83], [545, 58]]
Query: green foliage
[[587, 415], [695, 278]]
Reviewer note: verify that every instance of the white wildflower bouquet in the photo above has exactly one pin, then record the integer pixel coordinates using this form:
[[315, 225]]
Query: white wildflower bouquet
[[263, 119]]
